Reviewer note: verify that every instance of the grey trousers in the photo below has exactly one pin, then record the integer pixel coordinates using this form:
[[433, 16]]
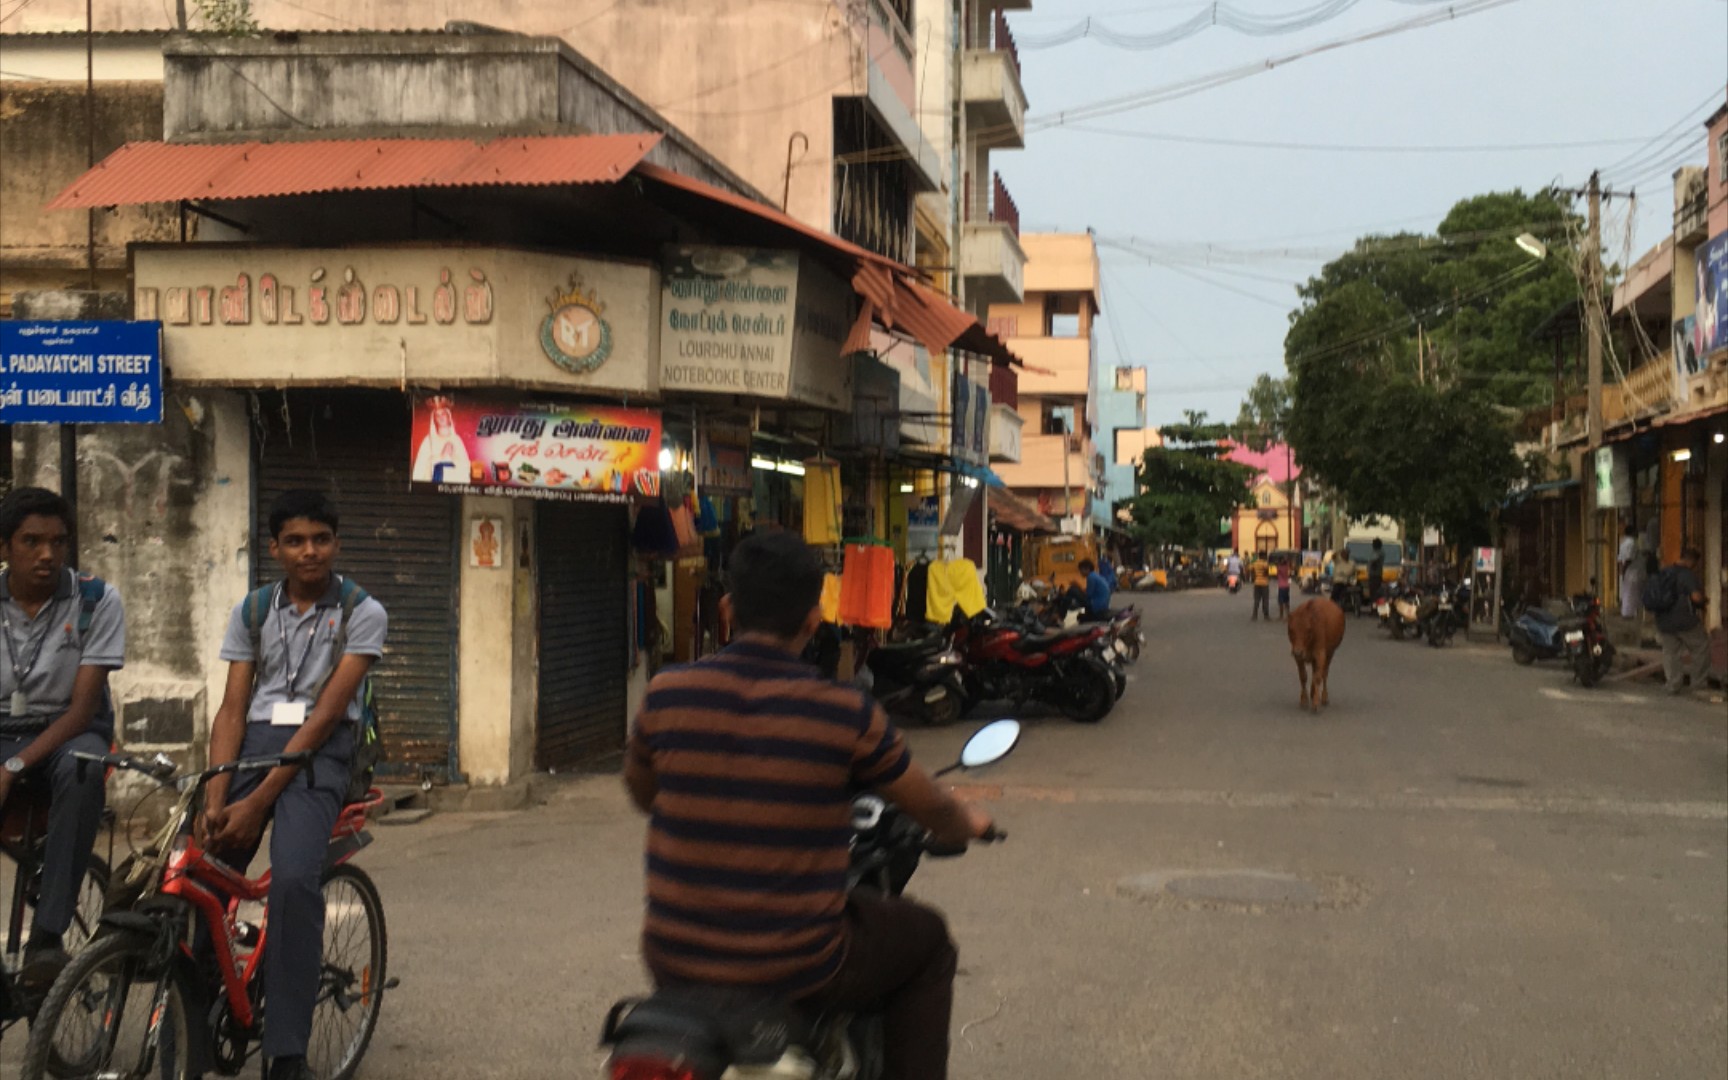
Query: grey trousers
[[299, 838], [73, 822], [1697, 642]]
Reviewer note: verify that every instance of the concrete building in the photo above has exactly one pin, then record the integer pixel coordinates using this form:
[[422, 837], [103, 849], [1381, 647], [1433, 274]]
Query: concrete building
[[1120, 420], [1060, 470]]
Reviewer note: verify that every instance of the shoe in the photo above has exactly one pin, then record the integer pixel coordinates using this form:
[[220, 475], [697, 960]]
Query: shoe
[[294, 1068], [43, 963]]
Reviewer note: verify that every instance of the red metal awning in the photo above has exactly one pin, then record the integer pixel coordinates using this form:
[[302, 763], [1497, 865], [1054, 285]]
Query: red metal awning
[[145, 172], [1018, 514]]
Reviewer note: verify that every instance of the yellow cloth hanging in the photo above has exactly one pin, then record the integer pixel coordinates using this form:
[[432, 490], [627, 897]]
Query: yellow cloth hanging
[[939, 593], [821, 502], [962, 575], [831, 598]]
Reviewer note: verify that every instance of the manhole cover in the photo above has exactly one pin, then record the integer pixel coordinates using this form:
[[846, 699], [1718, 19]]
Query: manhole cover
[[1225, 886]]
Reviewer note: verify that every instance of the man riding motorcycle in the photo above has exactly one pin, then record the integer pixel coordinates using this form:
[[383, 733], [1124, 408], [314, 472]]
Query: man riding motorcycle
[[747, 763]]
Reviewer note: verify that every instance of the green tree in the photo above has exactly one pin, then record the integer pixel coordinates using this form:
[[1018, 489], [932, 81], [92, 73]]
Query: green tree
[[1186, 487], [1264, 418], [1409, 354]]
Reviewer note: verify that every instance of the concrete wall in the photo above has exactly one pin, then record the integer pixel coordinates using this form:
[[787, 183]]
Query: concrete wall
[[488, 712], [1717, 179], [61, 58]]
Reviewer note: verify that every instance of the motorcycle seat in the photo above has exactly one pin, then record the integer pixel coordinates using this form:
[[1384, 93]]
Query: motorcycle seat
[[932, 644], [709, 1024], [1032, 643], [1542, 615]]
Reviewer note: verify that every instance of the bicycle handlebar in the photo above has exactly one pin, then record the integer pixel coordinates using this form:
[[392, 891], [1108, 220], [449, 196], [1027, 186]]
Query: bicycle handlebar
[[165, 771]]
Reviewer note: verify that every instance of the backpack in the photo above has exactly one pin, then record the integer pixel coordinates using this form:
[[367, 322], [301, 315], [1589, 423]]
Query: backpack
[[1662, 592], [91, 590], [364, 763]]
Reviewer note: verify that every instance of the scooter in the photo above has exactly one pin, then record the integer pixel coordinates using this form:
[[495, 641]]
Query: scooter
[[919, 680], [1233, 582], [710, 1033], [1591, 652], [1539, 634]]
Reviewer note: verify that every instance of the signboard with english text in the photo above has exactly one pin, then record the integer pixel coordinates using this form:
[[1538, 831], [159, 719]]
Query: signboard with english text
[[75, 372]]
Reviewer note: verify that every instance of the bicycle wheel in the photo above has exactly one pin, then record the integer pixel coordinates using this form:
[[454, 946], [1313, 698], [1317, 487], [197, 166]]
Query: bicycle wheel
[[351, 991], [116, 1011], [85, 916]]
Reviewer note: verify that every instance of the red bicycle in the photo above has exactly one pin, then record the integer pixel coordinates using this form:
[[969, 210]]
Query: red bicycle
[[141, 1001]]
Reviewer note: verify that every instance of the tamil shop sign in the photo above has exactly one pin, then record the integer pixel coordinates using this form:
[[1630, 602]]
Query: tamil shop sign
[[239, 315], [565, 453], [80, 372], [754, 323]]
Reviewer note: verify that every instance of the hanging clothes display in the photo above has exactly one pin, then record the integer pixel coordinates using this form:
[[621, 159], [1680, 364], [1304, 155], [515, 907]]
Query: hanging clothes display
[[867, 587], [968, 589], [939, 596], [831, 598], [821, 502], [917, 589]]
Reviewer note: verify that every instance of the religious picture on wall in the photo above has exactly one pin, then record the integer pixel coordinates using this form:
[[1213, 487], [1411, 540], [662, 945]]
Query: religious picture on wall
[[442, 457], [485, 546]]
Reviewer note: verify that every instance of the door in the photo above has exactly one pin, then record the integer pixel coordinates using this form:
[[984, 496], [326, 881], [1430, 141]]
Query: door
[[584, 632], [400, 547]]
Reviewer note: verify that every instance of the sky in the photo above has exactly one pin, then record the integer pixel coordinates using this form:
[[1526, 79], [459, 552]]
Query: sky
[[1526, 72]]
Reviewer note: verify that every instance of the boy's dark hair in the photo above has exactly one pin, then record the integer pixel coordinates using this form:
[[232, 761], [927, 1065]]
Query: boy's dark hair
[[1377, 544], [1085, 566], [775, 580], [302, 503], [26, 502]]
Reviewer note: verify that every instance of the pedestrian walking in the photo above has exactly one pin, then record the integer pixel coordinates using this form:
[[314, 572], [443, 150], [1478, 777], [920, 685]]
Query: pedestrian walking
[[1283, 589], [1631, 574], [1376, 572], [1676, 597], [1262, 572]]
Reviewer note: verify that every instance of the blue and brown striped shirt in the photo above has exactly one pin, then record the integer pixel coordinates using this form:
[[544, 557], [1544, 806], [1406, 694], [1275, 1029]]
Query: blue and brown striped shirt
[[756, 758]]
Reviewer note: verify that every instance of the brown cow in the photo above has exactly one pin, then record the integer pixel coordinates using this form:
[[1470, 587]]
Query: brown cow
[[1316, 631]]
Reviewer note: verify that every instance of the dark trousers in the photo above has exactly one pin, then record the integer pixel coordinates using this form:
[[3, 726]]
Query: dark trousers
[[1262, 601], [74, 818], [899, 962], [299, 838]]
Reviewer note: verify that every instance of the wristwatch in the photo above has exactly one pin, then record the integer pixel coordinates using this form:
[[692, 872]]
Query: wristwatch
[[14, 765]]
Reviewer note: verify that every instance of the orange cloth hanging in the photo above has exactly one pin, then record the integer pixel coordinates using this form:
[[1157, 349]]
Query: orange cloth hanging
[[867, 587]]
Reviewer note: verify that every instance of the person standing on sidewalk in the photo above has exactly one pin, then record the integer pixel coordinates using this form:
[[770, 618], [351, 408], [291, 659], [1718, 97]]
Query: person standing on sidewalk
[[1631, 574], [1262, 572], [1283, 589], [1679, 606]]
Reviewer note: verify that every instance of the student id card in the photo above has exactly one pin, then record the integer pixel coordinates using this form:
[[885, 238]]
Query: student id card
[[288, 714]]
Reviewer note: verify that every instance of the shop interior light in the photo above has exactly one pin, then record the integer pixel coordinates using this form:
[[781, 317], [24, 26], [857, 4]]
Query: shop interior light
[[906, 489], [1719, 438], [1681, 455], [761, 464], [665, 458], [790, 468]]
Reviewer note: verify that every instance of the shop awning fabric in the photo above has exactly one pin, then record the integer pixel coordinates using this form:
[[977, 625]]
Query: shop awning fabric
[[1018, 514], [147, 172]]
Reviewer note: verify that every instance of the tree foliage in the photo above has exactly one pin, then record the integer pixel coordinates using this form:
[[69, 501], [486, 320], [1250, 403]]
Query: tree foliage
[[1186, 487], [1409, 354], [1264, 418]]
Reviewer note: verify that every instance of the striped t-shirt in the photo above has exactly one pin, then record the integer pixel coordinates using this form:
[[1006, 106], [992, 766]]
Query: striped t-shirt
[[756, 758]]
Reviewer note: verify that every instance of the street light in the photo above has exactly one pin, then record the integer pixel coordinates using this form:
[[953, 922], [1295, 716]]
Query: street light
[[1531, 246]]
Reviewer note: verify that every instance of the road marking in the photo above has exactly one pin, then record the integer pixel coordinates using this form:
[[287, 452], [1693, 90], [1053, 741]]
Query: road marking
[[1484, 804], [1620, 698]]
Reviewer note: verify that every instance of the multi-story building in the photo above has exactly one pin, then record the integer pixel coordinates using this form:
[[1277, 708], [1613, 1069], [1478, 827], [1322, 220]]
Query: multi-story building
[[1051, 328], [1119, 411]]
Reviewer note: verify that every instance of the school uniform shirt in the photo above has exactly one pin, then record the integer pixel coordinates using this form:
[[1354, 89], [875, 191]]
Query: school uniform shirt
[[296, 647], [51, 650]]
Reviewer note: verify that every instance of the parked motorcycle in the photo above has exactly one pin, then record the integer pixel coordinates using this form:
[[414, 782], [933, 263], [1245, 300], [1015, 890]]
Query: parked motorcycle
[[706, 1033], [1539, 634], [1020, 664], [919, 679], [1451, 611], [1591, 653]]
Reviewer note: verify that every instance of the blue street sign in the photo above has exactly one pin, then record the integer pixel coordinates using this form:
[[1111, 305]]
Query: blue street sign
[[80, 372]]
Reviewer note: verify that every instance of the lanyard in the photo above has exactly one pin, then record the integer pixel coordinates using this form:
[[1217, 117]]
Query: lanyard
[[21, 672], [293, 669]]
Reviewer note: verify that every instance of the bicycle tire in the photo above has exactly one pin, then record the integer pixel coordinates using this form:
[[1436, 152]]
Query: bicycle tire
[[42, 1058], [85, 917], [372, 978]]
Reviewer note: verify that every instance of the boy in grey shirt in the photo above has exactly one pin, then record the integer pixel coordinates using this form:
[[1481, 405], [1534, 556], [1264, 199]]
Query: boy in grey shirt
[[290, 693], [62, 634]]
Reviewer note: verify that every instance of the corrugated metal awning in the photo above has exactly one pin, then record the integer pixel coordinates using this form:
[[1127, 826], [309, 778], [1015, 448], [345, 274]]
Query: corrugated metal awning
[[146, 172], [1018, 514]]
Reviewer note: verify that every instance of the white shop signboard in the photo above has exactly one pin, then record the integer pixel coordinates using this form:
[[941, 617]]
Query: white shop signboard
[[754, 323], [240, 315]]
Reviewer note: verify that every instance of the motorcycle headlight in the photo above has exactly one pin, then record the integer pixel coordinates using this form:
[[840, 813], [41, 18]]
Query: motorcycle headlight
[[952, 656]]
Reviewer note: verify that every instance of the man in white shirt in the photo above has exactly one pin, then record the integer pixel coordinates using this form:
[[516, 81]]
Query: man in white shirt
[[1631, 574]]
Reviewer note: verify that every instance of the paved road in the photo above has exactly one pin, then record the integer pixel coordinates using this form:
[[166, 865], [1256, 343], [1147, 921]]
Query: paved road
[[1494, 875]]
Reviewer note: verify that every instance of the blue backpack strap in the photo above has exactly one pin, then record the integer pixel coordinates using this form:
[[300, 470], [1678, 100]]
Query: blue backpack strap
[[253, 611], [91, 590]]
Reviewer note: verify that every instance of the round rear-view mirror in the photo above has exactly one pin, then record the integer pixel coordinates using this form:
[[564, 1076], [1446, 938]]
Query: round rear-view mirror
[[990, 744]]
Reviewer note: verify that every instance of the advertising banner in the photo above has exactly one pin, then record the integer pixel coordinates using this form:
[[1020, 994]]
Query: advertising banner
[[80, 372], [566, 453], [1710, 331]]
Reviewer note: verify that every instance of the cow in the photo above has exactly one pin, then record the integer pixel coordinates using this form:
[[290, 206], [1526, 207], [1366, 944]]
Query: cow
[[1316, 630]]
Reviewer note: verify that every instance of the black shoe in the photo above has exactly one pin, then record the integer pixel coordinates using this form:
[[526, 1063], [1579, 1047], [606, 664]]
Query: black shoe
[[44, 960], [291, 1068]]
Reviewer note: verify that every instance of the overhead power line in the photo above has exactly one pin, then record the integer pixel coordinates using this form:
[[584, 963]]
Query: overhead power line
[[1219, 15], [1357, 148]]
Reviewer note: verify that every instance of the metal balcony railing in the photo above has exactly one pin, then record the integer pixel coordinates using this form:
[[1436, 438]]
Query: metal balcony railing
[[996, 37]]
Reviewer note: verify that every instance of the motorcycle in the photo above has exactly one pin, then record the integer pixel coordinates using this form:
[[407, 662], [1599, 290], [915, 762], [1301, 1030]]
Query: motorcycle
[[1409, 609], [1539, 634], [1021, 664], [1233, 582], [918, 679], [1450, 612], [1591, 652], [710, 1033]]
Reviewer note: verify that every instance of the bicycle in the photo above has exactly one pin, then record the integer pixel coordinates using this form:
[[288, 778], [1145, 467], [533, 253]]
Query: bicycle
[[23, 837], [136, 1002]]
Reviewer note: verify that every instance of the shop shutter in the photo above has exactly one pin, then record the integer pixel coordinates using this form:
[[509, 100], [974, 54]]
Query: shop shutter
[[399, 547], [584, 630]]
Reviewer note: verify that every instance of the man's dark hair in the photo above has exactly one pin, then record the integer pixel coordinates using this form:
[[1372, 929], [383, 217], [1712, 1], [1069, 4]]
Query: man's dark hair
[[1086, 566], [774, 579], [1377, 544], [26, 502], [302, 503]]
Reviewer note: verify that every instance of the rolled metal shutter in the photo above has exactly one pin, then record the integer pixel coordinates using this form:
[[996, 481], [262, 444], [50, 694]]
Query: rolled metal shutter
[[399, 547], [584, 627]]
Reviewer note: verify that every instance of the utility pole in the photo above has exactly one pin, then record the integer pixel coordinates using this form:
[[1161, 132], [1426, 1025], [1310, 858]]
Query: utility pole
[[1593, 359]]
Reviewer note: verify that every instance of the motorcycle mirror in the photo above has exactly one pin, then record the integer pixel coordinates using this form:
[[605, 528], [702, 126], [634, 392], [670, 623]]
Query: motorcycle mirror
[[988, 745]]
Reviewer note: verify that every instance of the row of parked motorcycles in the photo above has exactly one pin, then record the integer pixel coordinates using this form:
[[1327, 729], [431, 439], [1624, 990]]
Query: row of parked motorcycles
[[1033, 652]]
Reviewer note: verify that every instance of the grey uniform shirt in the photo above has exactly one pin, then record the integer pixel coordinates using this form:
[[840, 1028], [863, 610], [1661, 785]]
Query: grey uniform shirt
[[1682, 616], [296, 647], [63, 650]]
